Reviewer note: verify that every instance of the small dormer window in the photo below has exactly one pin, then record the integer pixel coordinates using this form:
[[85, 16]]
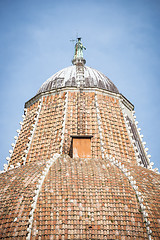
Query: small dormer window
[[81, 146]]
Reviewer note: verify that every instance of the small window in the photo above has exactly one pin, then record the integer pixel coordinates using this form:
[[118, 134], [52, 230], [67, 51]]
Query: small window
[[81, 146]]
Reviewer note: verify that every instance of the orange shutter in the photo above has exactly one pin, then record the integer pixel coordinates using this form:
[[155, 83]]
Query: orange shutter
[[82, 147]]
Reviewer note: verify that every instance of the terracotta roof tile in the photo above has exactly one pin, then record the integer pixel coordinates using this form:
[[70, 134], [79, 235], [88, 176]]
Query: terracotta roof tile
[[16, 194]]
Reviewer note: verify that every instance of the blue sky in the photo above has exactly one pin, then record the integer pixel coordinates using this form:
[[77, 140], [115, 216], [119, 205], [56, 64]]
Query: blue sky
[[122, 40]]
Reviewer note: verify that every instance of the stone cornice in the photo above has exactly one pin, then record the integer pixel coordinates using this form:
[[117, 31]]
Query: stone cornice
[[125, 101]]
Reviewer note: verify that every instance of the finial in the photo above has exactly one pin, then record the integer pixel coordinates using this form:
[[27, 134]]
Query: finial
[[78, 55]]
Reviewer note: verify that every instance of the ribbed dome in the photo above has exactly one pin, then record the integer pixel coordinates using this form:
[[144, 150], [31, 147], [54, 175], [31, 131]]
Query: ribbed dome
[[67, 77]]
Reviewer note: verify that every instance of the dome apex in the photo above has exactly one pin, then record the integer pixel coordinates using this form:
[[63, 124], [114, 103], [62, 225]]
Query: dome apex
[[78, 75]]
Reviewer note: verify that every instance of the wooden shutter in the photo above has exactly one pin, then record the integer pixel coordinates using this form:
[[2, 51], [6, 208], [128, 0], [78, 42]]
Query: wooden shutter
[[82, 147]]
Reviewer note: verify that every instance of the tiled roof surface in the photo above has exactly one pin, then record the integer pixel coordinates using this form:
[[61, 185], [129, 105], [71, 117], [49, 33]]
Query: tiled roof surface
[[16, 196], [47, 135], [71, 198], [87, 199], [79, 199], [149, 184], [116, 139], [81, 119], [21, 144]]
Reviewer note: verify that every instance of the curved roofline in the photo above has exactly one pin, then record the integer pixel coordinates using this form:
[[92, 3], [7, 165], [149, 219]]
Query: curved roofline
[[78, 76]]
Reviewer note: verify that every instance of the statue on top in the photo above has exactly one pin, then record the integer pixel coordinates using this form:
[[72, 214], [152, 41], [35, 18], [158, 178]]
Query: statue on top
[[79, 49]]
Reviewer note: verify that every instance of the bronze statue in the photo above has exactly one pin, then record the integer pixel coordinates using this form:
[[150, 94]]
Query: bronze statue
[[79, 49]]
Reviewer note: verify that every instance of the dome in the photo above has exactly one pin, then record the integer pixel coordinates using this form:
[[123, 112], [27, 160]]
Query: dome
[[78, 168], [67, 77]]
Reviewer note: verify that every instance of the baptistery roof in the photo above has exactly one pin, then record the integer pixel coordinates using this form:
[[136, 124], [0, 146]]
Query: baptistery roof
[[78, 168], [68, 77]]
